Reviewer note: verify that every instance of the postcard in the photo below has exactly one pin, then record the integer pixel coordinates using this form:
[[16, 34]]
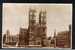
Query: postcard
[[31, 25]]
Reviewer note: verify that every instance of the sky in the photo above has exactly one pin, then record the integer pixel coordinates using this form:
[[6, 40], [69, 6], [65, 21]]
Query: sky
[[15, 15]]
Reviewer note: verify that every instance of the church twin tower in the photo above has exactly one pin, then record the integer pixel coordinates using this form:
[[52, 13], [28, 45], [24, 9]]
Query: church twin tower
[[32, 17], [37, 30]]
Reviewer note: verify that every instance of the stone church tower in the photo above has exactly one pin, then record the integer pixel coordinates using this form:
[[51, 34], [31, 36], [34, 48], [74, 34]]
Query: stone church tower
[[42, 23], [37, 31], [32, 26]]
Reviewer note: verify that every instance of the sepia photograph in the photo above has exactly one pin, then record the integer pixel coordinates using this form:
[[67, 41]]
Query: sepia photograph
[[27, 25]]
